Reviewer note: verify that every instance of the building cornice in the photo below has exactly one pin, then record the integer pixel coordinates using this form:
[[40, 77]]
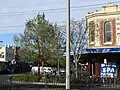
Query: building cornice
[[103, 14]]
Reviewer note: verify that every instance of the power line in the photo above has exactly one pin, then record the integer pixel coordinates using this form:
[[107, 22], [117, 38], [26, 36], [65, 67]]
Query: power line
[[73, 7], [22, 26], [72, 10], [77, 7], [54, 9], [17, 26], [12, 26]]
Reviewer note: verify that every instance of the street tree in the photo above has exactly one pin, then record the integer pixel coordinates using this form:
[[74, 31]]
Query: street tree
[[78, 40], [40, 40]]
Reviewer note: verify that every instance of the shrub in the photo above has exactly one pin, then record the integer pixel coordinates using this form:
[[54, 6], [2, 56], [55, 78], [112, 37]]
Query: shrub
[[41, 78], [27, 78]]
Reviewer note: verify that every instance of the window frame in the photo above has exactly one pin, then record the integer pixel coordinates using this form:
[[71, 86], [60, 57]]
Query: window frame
[[110, 32], [91, 33]]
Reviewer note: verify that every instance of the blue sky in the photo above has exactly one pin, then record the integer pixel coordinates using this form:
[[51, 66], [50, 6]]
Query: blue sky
[[13, 13]]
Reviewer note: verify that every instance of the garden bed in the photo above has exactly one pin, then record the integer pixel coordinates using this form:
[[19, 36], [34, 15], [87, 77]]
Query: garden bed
[[39, 78]]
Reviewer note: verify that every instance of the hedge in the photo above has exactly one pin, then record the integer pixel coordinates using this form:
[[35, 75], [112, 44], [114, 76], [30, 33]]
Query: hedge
[[39, 78]]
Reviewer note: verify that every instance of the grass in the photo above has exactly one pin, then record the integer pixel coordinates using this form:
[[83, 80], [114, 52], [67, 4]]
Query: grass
[[39, 78]]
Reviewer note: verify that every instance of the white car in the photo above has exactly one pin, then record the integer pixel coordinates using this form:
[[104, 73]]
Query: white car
[[34, 70]]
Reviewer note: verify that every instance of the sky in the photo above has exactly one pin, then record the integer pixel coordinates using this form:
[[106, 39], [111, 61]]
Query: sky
[[14, 13]]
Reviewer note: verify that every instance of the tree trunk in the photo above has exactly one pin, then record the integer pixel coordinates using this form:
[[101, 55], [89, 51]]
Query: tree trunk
[[76, 67], [38, 68], [39, 61]]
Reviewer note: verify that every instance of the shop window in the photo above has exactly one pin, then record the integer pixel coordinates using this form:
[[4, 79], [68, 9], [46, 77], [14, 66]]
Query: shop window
[[118, 35], [92, 31], [118, 23], [107, 32], [118, 18], [2, 52]]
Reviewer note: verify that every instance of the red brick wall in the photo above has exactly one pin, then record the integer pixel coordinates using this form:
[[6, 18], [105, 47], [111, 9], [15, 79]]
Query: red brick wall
[[102, 32], [113, 32]]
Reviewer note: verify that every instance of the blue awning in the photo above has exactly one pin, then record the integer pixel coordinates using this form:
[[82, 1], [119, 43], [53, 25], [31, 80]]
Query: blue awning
[[102, 50], [96, 50]]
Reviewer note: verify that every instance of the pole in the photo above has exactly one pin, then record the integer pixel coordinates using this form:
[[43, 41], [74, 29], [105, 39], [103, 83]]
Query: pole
[[58, 67], [92, 70], [105, 62], [68, 47]]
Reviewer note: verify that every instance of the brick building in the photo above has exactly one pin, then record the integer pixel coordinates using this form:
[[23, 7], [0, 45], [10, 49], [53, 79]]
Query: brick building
[[104, 40]]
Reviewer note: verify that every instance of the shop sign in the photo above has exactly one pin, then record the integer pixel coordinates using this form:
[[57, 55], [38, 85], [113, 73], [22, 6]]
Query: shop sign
[[108, 70]]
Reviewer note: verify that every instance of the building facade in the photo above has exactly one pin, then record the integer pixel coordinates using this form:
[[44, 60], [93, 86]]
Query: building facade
[[6, 53], [104, 41], [104, 26], [17, 52]]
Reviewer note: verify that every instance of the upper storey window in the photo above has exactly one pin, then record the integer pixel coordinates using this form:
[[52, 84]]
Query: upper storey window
[[92, 31], [107, 32]]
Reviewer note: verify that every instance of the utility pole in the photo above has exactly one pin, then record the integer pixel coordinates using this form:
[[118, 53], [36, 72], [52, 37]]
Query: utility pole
[[68, 47]]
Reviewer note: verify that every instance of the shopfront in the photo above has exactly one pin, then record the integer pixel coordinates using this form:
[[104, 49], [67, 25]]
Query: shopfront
[[103, 62]]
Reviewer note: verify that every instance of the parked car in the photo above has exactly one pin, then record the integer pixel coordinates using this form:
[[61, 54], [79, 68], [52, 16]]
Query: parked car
[[31, 64], [20, 67], [5, 68], [5, 71], [34, 70], [59, 71]]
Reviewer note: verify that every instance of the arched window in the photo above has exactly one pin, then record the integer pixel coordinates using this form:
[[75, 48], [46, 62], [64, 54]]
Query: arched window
[[107, 32], [92, 31]]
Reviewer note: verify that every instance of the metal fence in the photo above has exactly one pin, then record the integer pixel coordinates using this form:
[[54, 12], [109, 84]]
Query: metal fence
[[79, 87], [95, 84]]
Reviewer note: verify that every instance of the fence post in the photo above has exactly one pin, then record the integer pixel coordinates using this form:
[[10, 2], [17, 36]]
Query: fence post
[[45, 81], [10, 78]]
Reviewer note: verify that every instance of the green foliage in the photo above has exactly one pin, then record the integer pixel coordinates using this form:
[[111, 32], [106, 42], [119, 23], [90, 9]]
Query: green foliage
[[78, 40], [41, 40], [37, 78], [80, 80], [50, 79], [27, 78]]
